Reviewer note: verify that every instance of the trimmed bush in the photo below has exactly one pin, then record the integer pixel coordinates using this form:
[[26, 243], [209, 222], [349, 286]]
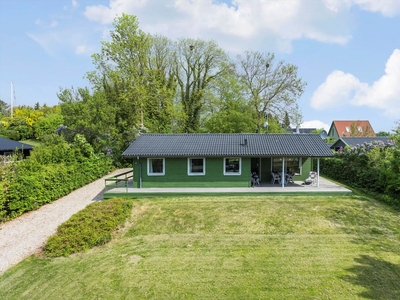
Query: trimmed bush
[[52, 171], [92, 226], [373, 168]]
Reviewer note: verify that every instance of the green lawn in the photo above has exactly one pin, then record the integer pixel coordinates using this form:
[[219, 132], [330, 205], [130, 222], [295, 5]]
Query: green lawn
[[32, 142], [230, 248]]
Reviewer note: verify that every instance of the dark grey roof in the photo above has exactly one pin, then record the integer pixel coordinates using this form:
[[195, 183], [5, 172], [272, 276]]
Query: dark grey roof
[[358, 140], [10, 145], [190, 145]]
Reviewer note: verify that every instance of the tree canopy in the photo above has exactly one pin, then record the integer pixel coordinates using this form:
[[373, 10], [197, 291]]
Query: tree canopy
[[150, 83], [271, 88]]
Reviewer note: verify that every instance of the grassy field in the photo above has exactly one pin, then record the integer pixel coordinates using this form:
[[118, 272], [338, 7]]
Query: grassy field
[[32, 142], [230, 248]]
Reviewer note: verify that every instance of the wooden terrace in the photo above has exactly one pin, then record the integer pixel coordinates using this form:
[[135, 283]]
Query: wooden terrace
[[122, 186]]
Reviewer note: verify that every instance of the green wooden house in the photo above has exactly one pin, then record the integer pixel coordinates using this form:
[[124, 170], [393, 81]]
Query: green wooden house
[[221, 160]]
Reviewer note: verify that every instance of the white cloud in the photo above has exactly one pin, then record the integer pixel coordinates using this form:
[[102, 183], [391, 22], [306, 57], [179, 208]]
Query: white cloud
[[245, 22], [335, 91], [388, 8], [249, 23], [45, 41], [315, 124], [81, 49], [341, 89], [75, 3], [106, 14], [58, 41]]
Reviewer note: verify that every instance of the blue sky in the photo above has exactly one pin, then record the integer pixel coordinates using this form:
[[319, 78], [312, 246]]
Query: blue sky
[[348, 51]]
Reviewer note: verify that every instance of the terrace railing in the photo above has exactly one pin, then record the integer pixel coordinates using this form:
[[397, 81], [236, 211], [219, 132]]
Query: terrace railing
[[120, 180]]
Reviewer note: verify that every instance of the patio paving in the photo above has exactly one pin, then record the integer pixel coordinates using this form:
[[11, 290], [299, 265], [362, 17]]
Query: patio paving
[[326, 187]]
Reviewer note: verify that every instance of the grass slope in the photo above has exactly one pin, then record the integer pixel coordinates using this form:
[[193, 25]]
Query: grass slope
[[230, 248]]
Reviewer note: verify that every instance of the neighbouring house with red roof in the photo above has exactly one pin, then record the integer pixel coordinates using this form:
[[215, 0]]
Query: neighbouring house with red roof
[[350, 128]]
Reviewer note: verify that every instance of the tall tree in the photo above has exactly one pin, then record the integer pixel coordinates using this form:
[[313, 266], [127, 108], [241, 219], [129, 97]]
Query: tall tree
[[383, 133], [225, 109], [121, 70], [271, 89], [286, 121], [196, 64], [160, 111], [134, 69]]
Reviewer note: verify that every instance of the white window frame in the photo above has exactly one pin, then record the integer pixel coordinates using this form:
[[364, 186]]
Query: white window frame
[[359, 129], [148, 167], [233, 173], [189, 164]]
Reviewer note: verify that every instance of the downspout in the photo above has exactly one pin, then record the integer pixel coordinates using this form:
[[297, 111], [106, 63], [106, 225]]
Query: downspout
[[283, 172], [318, 172]]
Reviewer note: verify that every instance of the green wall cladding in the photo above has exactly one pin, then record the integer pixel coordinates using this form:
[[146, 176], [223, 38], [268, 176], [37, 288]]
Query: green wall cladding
[[176, 173]]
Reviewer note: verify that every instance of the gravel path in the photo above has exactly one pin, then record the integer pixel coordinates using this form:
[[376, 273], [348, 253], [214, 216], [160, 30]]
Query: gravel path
[[28, 233]]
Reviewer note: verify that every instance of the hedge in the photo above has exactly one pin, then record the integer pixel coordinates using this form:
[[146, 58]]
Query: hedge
[[375, 170], [31, 183]]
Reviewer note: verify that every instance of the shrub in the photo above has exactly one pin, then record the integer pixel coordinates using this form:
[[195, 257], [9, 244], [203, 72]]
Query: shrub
[[92, 226], [53, 170], [371, 167]]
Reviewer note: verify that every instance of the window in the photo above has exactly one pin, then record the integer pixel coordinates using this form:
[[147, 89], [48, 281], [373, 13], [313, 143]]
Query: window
[[359, 128], [196, 166], [155, 166], [292, 165], [347, 128], [232, 166]]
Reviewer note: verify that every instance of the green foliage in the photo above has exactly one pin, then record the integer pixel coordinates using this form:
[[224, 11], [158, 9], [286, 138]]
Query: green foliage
[[233, 117], [228, 248], [271, 88], [396, 135], [374, 168], [47, 125], [273, 126], [148, 83], [197, 64], [53, 170], [8, 171], [92, 226], [4, 109], [227, 111], [17, 128], [29, 123], [383, 133]]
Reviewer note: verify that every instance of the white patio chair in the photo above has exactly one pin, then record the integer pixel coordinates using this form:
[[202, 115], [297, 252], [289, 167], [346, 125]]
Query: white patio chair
[[275, 178], [289, 178]]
